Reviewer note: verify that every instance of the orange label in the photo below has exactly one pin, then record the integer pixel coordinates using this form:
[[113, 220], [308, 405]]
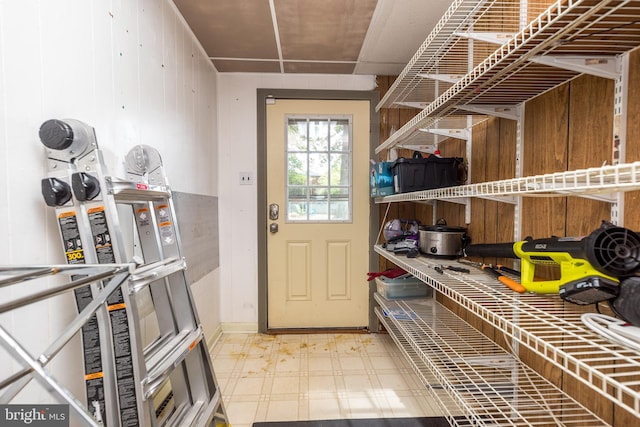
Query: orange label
[[193, 344], [93, 376], [67, 214], [116, 307], [96, 209], [142, 210]]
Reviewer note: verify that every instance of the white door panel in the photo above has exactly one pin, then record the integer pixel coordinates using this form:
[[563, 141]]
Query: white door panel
[[319, 256]]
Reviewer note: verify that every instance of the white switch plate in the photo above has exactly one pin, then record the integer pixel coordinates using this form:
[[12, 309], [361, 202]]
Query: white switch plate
[[246, 178]]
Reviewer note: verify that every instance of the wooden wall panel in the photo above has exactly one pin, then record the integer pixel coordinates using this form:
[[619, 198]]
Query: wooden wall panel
[[589, 145], [453, 213], [590, 122], [505, 220], [632, 199], [477, 173], [383, 83], [545, 150]]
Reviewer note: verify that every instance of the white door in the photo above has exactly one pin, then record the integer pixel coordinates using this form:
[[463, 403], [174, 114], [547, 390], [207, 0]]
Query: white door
[[318, 188]]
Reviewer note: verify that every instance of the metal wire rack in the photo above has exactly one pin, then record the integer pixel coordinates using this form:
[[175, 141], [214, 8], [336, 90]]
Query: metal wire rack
[[598, 183], [447, 54], [487, 385], [543, 324], [519, 69]]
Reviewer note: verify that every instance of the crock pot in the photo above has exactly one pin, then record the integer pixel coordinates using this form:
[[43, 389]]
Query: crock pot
[[442, 240]]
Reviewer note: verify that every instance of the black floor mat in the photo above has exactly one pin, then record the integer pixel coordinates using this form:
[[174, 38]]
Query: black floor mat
[[365, 422]]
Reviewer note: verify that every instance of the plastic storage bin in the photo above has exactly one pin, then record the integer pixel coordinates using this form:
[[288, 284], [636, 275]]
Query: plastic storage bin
[[420, 173], [402, 288]]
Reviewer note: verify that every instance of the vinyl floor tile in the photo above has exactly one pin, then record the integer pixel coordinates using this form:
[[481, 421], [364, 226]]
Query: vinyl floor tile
[[316, 376]]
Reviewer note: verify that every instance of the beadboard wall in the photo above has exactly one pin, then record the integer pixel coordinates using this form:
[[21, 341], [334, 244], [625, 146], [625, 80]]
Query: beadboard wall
[[133, 71]]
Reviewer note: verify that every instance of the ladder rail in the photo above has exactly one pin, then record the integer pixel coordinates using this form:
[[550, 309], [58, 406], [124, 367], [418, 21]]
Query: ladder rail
[[64, 337], [159, 239], [57, 290], [20, 353], [21, 273]]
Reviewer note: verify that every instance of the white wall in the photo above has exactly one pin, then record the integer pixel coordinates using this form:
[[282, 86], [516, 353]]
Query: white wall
[[133, 71], [237, 136]]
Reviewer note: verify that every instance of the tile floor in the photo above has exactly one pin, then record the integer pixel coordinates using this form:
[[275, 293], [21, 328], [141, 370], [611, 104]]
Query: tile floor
[[316, 376]]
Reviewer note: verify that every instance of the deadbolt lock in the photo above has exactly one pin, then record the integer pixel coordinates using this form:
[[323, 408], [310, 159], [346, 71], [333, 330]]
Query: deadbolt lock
[[274, 211]]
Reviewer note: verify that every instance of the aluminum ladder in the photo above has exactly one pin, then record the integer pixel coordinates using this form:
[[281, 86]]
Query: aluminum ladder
[[146, 359]]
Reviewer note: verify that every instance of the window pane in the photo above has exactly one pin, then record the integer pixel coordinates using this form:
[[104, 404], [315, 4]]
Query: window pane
[[297, 211], [319, 210], [318, 135], [318, 169], [340, 169], [297, 169], [340, 211], [298, 193], [297, 135], [339, 135], [319, 192], [338, 193]]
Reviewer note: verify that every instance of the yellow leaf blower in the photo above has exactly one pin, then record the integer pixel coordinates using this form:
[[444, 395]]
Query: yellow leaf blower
[[590, 267]]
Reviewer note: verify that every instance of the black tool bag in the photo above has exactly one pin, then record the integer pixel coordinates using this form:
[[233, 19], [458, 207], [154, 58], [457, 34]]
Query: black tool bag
[[419, 173]]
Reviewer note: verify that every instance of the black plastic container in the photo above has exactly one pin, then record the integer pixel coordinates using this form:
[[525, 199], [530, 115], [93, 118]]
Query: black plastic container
[[421, 173]]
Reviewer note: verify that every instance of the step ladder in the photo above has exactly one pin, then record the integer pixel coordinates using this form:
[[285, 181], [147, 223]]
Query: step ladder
[[146, 359]]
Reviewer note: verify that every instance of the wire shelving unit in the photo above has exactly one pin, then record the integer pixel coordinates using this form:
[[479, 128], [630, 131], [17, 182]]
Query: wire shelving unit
[[473, 65], [598, 183], [591, 32], [543, 324], [477, 383]]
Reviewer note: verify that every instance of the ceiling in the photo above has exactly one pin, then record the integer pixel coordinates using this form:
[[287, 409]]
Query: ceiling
[[371, 37]]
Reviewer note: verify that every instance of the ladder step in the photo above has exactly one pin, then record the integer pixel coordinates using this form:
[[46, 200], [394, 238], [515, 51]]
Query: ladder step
[[184, 415], [163, 356], [155, 271], [124, 191], [199, 414], [212, 410]]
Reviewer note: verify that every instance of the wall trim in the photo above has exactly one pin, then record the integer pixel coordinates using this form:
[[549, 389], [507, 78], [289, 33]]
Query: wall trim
[[240, 328], [230, 328]]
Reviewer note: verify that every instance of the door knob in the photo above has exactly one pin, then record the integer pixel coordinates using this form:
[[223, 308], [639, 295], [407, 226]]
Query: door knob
[[273, 227]]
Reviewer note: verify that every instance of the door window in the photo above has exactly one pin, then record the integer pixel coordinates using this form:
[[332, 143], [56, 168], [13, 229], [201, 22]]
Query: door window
[[319, 159]]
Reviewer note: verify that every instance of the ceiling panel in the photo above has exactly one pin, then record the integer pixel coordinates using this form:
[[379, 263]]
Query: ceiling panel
[[323, 30], [231, 66], [232, 28], [373, 37], [319, 67]]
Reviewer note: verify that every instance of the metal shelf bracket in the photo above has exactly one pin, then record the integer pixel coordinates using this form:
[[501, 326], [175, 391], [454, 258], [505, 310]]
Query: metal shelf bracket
[[602, 66], [488, 36], [511, 112]]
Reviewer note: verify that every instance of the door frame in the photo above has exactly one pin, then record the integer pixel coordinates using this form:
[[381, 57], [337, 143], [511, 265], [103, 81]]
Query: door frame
[[263, 229]]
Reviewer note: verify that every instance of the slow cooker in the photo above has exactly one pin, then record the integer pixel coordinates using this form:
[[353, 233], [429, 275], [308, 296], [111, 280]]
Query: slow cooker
[[442, 240]]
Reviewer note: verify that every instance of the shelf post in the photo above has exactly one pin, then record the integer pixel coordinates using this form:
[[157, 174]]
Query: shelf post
[[620, 101], [517, 224]]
